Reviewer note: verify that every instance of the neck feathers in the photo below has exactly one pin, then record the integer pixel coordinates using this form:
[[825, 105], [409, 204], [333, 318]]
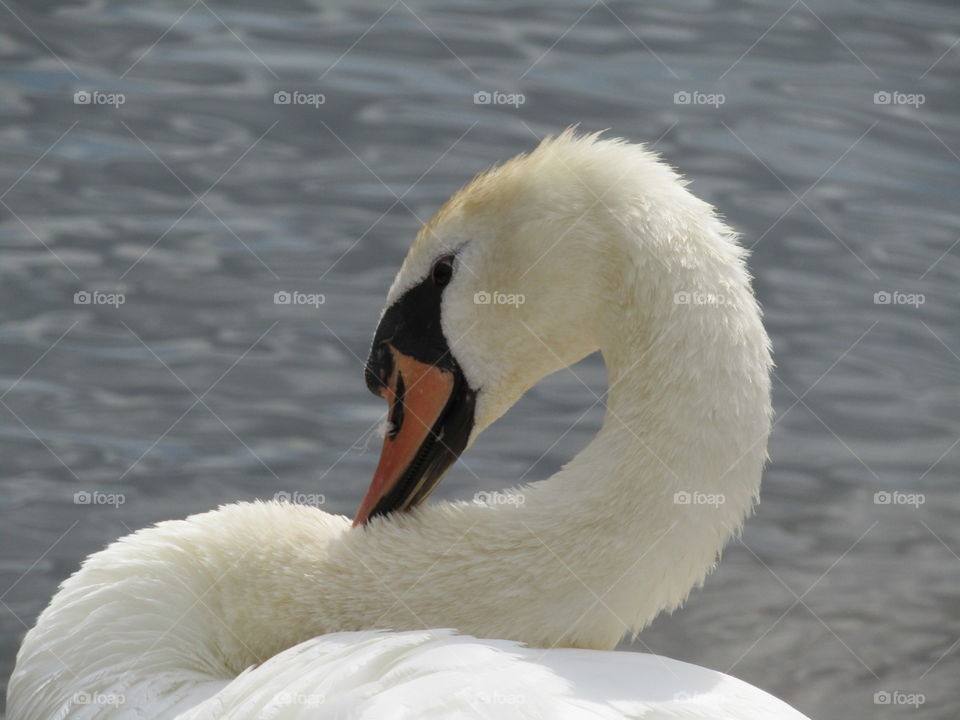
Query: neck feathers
[[638, 518]]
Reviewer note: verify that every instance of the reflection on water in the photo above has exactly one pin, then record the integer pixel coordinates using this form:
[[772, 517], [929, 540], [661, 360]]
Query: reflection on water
[[198, 198]]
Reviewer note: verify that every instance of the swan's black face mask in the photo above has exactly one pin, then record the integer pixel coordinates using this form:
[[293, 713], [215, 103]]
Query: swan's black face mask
[[431, 405]]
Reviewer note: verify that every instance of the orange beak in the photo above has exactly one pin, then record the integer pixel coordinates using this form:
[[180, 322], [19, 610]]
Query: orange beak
[[425, 432]]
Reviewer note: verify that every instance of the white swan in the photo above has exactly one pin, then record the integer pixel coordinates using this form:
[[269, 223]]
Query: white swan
[[268, 610]]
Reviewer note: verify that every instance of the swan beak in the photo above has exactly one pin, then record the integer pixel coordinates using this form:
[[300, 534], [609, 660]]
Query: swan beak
[[429, 421]]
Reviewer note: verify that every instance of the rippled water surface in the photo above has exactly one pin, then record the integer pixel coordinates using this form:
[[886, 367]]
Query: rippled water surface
[[199, 198]]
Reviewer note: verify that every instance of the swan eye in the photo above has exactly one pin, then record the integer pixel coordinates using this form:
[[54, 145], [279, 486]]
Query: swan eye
[[442, 271]]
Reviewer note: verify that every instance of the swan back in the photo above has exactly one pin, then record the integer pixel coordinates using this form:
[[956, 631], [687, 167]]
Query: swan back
[[436, 674]]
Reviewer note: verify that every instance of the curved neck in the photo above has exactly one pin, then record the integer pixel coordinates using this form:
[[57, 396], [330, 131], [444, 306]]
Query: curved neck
[[631, 524], [638, 518]]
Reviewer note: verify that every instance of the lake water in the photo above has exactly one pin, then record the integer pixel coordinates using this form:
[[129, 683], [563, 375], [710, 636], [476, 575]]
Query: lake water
[[198, 198]]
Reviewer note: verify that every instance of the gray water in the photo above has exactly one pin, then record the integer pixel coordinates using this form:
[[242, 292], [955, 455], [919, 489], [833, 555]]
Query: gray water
[[829, 598]]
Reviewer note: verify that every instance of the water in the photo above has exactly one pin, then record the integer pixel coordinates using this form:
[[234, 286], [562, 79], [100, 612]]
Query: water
[[830, 597]]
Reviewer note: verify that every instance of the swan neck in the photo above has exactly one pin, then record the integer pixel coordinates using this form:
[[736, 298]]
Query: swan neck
[[675, 468]]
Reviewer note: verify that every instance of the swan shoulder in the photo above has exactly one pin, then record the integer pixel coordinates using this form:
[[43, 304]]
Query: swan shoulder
[[439, 674]]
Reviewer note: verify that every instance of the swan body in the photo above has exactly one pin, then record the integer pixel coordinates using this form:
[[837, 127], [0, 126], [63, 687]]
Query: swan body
[[225, 614]]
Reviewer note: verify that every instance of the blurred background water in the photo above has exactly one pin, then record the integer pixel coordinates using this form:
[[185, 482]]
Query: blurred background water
[[198, 198]]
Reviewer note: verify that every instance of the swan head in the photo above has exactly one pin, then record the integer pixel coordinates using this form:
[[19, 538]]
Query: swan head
[[515, 277]]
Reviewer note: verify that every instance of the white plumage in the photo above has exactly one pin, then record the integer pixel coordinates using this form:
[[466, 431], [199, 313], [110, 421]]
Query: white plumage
[[438, 675], [267, 610], [435, 674]]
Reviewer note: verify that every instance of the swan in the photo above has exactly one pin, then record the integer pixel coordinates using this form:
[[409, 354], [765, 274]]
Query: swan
[[504, 609]]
